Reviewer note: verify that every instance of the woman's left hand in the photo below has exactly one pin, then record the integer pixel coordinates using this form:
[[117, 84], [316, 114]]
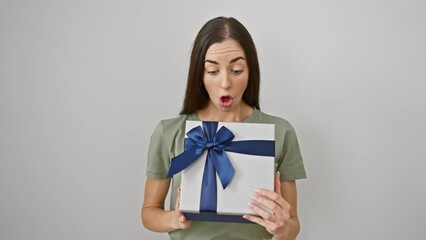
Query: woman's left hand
[[276, 219]]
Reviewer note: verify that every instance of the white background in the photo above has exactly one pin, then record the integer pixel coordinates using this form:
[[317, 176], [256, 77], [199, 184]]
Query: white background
[[83, 84]]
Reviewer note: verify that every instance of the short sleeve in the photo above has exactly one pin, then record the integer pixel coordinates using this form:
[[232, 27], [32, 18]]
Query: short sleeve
[[290, 162], [158, 155]]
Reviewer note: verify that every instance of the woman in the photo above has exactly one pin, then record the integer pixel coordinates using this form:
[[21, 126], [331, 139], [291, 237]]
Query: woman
[[223, 85]]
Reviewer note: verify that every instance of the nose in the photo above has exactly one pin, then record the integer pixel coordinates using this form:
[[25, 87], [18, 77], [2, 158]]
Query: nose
[[225, 83]]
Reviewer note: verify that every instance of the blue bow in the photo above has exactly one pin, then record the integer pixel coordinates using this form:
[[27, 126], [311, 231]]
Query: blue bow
[[216, 143]]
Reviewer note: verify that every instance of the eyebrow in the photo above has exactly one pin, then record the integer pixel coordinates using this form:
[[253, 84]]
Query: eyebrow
[[232, 61]]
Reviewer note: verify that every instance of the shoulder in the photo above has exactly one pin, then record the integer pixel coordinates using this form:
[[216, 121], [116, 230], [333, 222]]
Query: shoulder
[[171, 124], [169, 128], [281, 124]]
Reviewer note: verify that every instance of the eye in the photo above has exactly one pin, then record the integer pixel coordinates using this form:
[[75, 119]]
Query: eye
[[213, 72], [236, 72]]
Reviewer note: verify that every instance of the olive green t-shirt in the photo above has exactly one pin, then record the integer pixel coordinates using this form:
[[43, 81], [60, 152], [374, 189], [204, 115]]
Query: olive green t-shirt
[[167, 142]]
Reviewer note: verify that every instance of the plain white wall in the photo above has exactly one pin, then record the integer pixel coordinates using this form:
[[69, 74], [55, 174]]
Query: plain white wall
[[83, 83]]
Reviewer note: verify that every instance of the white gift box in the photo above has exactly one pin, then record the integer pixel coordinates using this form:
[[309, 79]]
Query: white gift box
[[251, 172]]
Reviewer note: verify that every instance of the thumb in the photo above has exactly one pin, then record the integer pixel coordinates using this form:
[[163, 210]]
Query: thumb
[[177, 205], [277, 183]]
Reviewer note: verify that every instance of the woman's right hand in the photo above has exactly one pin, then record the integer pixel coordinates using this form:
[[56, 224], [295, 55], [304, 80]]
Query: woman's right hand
[[154, 217], [179, 220]]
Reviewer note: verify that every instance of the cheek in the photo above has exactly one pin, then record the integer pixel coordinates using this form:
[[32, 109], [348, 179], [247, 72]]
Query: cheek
[[243, 82], [208, 82]]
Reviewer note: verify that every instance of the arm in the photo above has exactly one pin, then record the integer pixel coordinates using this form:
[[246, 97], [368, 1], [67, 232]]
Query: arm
[[289, 193], [283, 221], [154, 217]]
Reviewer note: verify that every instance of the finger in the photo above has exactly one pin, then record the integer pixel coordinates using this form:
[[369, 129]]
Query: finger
[[269, 226], [272, 206], [277, 183], [186, 225], [183, 222], [269, 216], [255, 219], [182, 217], [273, 196]]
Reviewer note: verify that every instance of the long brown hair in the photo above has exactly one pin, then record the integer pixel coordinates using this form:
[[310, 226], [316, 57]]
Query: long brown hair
[[214, 31]]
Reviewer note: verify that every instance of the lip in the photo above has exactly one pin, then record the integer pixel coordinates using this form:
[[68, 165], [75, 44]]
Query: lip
[[225, 100]]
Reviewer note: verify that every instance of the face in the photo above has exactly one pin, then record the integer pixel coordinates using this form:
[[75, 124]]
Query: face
[[225, 75]]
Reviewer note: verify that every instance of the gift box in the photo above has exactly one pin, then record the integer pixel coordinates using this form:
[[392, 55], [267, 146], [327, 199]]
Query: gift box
[[222, 164]]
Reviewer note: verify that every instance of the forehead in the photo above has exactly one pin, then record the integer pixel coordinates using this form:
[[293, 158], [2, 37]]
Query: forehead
[[229, 48]]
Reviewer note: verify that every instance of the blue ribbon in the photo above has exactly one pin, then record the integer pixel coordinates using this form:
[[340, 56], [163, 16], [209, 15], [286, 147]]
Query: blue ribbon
[[217, 162]]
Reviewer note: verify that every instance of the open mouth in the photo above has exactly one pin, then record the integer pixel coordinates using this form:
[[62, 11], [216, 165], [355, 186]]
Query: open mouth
[[225, 101]]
